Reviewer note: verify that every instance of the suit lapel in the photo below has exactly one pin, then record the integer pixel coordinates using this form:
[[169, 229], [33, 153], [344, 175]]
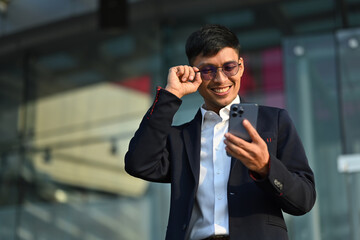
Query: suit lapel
[[233, 163], [192, 135]]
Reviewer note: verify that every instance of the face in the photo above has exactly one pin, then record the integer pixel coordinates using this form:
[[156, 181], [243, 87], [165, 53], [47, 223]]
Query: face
[[221, 90]]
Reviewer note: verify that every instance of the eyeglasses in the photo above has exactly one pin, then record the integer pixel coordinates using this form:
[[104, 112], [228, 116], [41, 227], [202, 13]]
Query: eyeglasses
[[208, 72]]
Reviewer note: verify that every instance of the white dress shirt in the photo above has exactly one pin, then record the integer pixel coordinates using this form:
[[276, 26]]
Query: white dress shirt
[[210, 213]]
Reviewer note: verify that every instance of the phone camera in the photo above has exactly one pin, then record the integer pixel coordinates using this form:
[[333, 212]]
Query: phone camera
[[241, 110]]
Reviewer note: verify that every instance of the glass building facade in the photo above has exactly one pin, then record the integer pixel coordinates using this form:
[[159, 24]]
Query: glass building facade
[[73, 91]]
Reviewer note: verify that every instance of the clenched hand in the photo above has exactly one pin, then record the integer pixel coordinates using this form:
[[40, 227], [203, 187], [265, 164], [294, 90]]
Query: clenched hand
[[183, 80]]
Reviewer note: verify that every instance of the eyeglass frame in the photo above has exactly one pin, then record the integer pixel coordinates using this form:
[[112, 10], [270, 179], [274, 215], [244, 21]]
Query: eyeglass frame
[[225, 73]]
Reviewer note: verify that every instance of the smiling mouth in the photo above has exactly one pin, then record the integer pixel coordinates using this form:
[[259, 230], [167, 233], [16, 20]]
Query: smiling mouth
[[221, 90]]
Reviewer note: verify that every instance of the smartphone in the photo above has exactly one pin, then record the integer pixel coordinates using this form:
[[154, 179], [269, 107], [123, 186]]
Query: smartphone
[[239, 112]]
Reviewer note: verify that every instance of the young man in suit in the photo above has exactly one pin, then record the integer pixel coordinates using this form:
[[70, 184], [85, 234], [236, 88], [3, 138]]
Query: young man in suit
[[222, 187]]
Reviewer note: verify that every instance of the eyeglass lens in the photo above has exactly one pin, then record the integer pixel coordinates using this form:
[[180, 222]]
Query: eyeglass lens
[[208, 72]]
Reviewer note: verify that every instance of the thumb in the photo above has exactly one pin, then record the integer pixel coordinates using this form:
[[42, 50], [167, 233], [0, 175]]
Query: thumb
[[251, 130]]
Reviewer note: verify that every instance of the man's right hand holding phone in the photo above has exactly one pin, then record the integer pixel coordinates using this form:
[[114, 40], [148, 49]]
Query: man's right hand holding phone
[[254, 155]]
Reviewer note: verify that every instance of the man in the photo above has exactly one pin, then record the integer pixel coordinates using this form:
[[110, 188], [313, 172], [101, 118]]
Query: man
[[222, 187]]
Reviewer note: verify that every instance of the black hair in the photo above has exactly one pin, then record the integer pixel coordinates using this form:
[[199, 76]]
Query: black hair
[[209, 40]]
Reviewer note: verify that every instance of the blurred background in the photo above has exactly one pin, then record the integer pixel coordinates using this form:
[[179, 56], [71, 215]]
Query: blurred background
[[76, 77]]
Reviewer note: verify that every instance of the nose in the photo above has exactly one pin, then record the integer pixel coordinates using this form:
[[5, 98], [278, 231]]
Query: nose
[[220, 75]]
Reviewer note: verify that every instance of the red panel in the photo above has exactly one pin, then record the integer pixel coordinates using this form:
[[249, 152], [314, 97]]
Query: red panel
[[272, 70], [141, 84], [248, 83]]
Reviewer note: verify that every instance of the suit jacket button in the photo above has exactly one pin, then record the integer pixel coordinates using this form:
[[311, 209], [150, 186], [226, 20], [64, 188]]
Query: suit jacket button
[[278, 184]]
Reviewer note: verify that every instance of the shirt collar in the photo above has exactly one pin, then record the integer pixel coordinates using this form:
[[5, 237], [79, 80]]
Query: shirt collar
[[224, 112]]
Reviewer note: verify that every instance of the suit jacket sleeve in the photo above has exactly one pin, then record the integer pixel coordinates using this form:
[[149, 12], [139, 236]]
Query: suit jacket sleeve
[[148, 156], [290, 180]]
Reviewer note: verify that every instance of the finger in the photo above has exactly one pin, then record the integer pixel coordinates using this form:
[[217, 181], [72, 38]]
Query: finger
[[237, 145], [246, 156], [236, 140], [230, 145], [185, 76], [173, 70], [195, 69], [174, 73], [251, 130], [197, 79], [233, 145], [179, 71], [236, 151], [191, 74], [230, 152]]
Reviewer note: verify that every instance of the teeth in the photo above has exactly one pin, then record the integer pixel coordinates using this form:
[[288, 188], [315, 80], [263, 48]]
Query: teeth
[[221, 90]]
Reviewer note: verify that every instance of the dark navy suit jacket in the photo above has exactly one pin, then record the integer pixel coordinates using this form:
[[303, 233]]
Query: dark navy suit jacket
[[161, 152]]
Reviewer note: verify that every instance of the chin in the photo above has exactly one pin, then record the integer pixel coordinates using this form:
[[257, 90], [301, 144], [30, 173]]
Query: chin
[[228, 99], [224, 103]]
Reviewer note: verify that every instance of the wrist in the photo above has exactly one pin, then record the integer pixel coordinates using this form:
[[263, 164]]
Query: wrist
[[173, 91], [261, 173], [264, 171]]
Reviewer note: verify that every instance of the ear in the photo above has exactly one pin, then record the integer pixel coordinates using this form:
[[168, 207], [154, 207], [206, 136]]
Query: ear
[[241, 66]]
